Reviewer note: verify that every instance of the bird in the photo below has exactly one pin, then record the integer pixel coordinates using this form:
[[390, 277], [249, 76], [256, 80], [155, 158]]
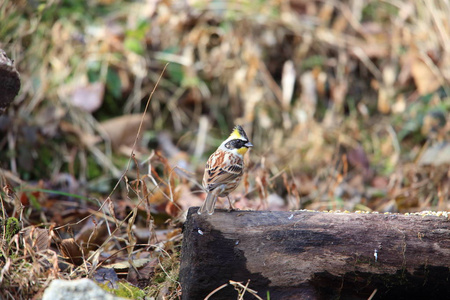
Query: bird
[[224, 169]]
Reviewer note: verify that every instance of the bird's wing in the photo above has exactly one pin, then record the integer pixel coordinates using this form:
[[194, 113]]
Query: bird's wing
[[221, 168]]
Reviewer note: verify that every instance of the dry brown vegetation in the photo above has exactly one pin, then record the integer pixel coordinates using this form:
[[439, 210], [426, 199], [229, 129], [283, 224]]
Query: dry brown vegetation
[[346, 103]]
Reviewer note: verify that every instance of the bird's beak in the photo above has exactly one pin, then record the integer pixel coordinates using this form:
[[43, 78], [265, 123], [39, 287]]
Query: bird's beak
[[248, 145]]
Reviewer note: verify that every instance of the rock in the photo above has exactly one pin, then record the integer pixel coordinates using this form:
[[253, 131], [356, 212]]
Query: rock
[[81, 289]]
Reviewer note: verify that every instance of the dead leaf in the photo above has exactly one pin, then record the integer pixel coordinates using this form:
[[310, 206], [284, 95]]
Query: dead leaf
[[71, 251], [176, 157], [172, 209], [424, 78], [436, 155], [89, 97], [122, 130], [92, 235], [138, 263], [37, 238], [188, 199]]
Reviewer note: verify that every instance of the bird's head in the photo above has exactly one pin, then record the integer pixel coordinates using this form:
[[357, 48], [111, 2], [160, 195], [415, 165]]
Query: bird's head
[[237, 142]]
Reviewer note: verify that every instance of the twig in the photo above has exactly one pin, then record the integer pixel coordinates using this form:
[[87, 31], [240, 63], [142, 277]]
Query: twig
[[216, 290], [373, 294]]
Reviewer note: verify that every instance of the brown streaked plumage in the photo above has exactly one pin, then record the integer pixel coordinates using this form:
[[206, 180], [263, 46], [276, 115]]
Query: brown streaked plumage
[[224, 169]]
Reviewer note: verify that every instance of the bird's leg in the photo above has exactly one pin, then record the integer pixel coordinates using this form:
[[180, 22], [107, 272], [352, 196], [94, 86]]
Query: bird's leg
[[231, 205]]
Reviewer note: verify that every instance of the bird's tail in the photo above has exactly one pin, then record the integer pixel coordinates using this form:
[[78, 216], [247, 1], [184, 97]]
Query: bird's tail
[[210, 202]]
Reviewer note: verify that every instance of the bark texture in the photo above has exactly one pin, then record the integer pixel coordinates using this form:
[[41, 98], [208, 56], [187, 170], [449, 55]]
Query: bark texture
[[9, 81], [316, 255]]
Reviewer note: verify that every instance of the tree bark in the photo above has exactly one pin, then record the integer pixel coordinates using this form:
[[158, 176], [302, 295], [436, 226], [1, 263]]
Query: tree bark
[[9, 81], [316, 255]]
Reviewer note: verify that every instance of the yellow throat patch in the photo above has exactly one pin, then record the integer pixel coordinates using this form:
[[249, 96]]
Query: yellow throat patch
[[242, 150]]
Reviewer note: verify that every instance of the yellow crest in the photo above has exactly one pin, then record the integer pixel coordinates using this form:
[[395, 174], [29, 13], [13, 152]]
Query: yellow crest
[[238, 133]]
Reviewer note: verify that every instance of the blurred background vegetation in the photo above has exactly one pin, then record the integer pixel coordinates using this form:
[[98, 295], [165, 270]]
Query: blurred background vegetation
[[342, 99], [346, 102]]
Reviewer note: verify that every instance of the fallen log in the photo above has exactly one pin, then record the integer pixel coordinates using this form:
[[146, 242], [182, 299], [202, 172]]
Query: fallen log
[[316, 255]]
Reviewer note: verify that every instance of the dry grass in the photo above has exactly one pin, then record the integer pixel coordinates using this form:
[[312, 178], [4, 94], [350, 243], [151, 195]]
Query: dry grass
[[343, 100]]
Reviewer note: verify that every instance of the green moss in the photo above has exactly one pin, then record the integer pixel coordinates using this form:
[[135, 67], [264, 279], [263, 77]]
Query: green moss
[[12, 227], [125, 290], [166, 274]]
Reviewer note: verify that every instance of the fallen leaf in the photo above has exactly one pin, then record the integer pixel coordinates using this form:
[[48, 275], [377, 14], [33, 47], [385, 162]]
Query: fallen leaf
[[92, 235], [122, 130], [37, 238], [138, 263], [71, 251], [436, 155], [424, 78], [88, 97]]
